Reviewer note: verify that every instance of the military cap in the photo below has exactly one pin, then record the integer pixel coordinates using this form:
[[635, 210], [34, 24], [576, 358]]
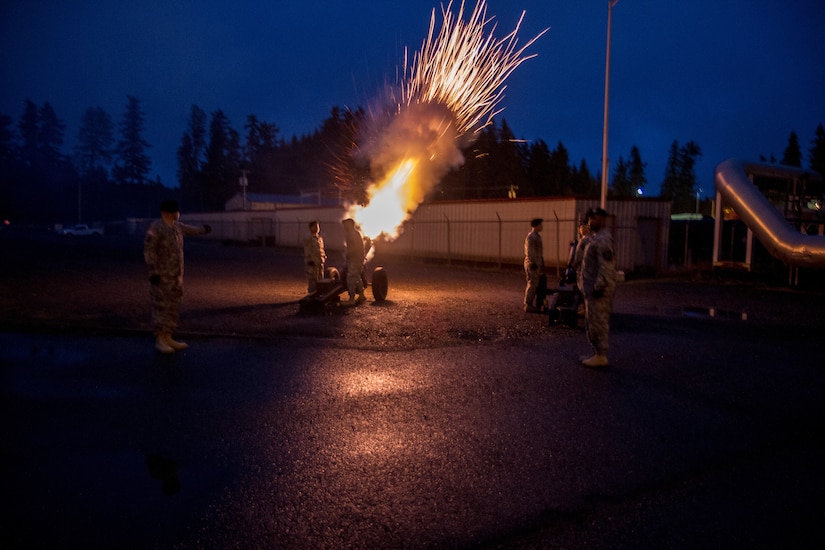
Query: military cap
[[170, 206], [596, 212]]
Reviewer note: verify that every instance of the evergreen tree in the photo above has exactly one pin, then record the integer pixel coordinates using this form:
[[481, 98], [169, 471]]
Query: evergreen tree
[[477, 169], [560, 172], [816, 154], [93, 152], [538, 168], [679, 184], [41, 133], [621, 184], [49, 136], [582, 180], [197, 130], [670, 184], [793, 154], [260, 149], [28, 127], [8, 168], [637, 171], [188, 171], [133, 164], [45, 175], [8, 147], [507, 163], [688, 154], [341, 166], [94, 140], [191, 155], [222, 169]]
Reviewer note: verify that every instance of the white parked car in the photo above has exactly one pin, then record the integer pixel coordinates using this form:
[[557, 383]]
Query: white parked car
[[82, 230]]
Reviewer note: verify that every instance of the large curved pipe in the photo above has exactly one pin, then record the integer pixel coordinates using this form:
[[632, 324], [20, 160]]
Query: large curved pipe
[[767, 223]]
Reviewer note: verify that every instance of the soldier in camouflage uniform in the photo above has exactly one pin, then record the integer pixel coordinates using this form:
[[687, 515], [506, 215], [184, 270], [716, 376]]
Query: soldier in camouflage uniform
[[597, 282], [314, 255], [355, 255], [533, 265], [578, 252], [163, 252]]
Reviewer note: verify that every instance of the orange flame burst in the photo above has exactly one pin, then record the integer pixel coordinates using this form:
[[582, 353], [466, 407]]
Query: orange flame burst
[[447, 96], [390, 201]]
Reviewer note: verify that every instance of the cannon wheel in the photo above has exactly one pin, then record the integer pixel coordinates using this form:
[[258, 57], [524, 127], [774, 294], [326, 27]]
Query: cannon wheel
[[332, 274], [379, 284]]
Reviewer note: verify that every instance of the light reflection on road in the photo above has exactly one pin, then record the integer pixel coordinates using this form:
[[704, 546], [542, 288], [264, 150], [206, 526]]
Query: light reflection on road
[[372, 430]]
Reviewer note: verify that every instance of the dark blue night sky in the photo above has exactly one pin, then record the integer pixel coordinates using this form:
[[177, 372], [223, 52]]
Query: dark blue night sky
[[734, 76]]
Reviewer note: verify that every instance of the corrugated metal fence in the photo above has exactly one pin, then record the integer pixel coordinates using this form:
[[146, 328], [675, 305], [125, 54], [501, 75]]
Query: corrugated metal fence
[[490, 232]]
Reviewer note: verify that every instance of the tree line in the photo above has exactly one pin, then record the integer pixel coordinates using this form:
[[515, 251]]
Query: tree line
[[105, 177]]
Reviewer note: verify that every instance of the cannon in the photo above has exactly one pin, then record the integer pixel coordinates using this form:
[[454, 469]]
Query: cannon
[[334, 283], [562, 303]]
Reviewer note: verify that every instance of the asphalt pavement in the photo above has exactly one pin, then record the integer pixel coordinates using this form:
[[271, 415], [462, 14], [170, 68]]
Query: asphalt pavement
[[441, 418]]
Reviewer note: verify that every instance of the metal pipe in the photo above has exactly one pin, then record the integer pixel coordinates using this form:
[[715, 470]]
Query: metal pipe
[[768, 225]]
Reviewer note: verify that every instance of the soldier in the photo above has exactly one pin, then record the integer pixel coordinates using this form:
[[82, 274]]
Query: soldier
[[533, 264], [597, 282], [314, 255], [163, 252], [578, 251], [355, 263]]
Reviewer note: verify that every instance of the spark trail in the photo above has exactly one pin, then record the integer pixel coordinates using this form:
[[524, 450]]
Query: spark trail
[[450, 91]]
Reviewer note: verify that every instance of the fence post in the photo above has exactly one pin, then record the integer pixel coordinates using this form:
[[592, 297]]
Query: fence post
[[298, 227], [449, 247], [499, 240], [558, 244], [412, 239]]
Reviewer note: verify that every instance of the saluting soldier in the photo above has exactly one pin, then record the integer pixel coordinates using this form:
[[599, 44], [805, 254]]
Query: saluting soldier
[[163, 252]]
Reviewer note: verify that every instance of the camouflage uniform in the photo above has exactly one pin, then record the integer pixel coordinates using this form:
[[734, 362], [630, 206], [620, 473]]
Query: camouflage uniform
[[598, 275], [355, 260], [315, 259], [578, 259], [163, 252], [533, 266]]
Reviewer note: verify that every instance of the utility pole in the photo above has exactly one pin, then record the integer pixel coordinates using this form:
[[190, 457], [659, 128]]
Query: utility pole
[[610, 4]]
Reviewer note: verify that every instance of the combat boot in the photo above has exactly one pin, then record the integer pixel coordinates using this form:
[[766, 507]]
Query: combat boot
[[361, 299], [598, 360], [350, 302], [162, 346], [174, 344]]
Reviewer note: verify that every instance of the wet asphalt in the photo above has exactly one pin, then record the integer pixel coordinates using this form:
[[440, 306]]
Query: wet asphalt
[[705, 431]]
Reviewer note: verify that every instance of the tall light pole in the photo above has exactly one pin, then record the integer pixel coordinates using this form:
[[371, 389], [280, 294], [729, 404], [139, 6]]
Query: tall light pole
[[610, 4]]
